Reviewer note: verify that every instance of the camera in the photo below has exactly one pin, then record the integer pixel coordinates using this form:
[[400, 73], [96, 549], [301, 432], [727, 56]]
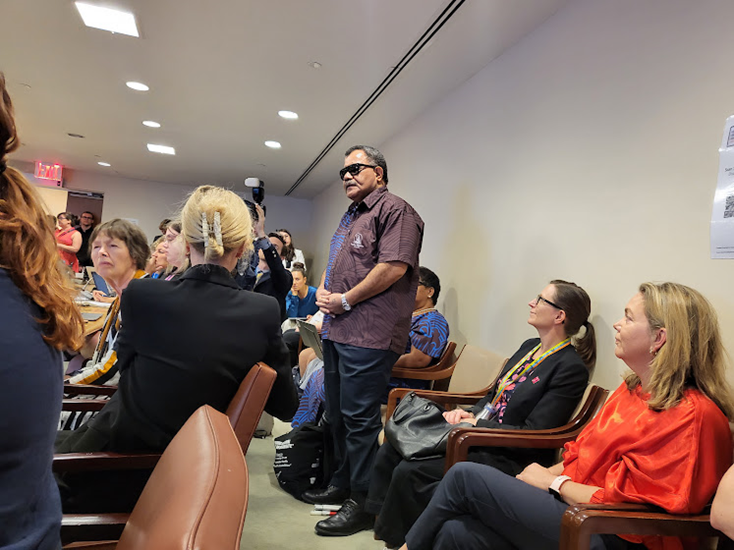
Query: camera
[[258, 189]]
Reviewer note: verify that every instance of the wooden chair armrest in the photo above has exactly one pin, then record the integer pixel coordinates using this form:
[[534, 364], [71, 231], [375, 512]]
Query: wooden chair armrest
[[86, 389], [92, 527], [93, 545], [82, 462], [441, 397], [83, 404], [462, 439], [581, 521], [428, 373]]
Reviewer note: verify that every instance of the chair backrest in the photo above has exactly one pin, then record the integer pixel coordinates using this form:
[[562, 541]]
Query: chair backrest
[[196, 497], [248, 403], [311, 337], [475, 370]]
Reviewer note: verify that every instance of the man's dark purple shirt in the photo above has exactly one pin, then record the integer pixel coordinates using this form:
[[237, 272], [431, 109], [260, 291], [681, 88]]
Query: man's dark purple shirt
[[382, 228]]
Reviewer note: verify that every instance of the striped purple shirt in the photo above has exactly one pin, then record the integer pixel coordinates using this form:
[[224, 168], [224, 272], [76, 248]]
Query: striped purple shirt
[[382, 228]]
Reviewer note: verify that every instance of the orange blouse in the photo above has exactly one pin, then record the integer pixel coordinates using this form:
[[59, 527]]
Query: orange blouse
[[673, 459]]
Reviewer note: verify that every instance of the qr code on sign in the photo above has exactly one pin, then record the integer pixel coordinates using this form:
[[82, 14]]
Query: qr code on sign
[[729, 208]]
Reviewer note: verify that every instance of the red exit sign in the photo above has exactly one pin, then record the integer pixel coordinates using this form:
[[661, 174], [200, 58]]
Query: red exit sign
[[47, 171]]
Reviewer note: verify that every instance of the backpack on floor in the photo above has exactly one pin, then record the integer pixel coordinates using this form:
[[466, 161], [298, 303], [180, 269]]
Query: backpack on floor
[[303, 459]]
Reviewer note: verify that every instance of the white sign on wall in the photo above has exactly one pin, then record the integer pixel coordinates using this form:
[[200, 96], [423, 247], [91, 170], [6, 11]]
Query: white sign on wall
[[722, 216]]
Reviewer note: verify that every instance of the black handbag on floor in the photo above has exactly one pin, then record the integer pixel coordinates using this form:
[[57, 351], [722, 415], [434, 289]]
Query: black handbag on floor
[[417, 428]]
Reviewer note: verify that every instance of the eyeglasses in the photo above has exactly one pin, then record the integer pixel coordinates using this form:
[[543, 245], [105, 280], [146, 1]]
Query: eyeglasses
[[541, 299], [87, 217], [354, 169]]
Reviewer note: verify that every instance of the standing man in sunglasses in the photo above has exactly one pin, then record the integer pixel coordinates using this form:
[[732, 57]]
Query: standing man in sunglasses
[[367, 294]]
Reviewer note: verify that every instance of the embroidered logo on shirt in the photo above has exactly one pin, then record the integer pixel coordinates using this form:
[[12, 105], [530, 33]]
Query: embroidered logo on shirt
[[535, 380], [357, 242]]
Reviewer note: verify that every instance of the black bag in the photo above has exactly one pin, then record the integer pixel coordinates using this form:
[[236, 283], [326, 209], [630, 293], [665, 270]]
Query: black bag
[[417, 428], [303, 459]]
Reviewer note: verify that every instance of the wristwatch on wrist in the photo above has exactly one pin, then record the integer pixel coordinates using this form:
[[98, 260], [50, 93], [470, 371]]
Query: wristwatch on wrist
[[345, 304], [555, 486]]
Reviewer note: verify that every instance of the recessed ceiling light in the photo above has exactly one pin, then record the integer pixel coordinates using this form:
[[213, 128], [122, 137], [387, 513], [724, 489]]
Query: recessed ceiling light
[[273, 144], [314, 64], [288, 114], [78, 136], [163, 149], [104, 164], [151, 124], [106, 19], [138, 86]]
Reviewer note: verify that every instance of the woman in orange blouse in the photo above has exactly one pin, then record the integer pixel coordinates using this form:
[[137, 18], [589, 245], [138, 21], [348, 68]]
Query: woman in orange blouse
[[68, 241], [662, 438]]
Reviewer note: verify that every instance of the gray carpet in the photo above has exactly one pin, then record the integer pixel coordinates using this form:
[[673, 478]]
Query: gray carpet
[[275, 520]]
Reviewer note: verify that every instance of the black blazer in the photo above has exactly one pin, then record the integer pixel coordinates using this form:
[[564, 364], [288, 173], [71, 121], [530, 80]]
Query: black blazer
[[186, 343], [547, 403], [277, 282]]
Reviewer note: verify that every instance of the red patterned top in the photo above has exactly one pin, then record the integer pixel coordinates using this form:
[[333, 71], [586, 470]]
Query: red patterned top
[[673, 459]]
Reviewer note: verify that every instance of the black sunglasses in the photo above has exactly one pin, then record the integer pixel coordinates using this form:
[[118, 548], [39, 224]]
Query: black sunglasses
[[354, 169], [540, 298]]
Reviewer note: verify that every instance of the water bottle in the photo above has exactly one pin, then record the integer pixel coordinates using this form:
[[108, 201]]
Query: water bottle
[[487, 412]]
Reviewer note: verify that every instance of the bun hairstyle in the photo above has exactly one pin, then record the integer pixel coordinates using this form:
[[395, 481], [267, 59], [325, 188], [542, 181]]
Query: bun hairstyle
[[575, 302], [215, 221], [27, 245]]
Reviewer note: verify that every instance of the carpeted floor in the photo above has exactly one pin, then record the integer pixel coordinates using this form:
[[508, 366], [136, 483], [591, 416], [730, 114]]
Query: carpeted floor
[[275, 520]]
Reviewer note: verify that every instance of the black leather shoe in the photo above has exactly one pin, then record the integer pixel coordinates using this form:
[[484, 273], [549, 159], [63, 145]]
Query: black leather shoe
[[350, 519], [330, 495]]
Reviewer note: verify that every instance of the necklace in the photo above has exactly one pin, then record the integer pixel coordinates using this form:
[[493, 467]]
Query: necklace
[[424, 310]]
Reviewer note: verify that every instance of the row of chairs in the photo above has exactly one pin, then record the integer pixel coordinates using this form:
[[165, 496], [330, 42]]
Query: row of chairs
[[197, 494], [581, 521]]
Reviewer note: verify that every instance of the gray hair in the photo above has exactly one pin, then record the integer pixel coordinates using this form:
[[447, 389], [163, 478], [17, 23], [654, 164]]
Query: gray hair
[[373, 155]]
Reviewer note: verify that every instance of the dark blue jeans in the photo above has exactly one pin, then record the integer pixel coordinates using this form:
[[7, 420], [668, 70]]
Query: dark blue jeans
[[356, 379]]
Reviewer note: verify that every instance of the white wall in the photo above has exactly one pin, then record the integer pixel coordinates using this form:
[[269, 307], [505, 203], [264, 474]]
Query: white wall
[[149, 202], [587, 152]]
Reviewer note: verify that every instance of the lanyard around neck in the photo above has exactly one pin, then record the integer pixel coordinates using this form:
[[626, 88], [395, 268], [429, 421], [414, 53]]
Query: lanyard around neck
[[519, 370]]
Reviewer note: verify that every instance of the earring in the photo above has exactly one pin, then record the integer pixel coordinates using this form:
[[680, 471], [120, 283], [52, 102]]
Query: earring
[[653, 351]]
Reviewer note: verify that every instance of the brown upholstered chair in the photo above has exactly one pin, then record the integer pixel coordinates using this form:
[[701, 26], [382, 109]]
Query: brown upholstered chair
[[244, 413], [197, 495], [473, 373], [581, 521], [462, 439], [443, 369]]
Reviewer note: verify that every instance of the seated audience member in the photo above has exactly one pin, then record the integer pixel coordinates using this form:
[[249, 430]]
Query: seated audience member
[[662, 438], [119, 253], [158, 258], [177, 259], [221, 332], [68, 241], [31, 339], [272, 278], [163, 228], [291, 255], [539, 388], [722, 509], [301, 300], [85, 228], [429, 333]]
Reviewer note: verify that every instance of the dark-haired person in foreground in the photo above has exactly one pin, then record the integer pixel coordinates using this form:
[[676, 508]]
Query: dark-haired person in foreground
[[367, 294], [539, 387], [31, 369], [662, 438]]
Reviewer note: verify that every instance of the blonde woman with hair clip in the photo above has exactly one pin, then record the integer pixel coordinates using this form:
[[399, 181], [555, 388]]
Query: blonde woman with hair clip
[[221, 332], [38, 321]]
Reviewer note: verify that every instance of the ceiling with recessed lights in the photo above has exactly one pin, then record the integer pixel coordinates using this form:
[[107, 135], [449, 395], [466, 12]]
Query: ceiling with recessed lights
[[220, 72]]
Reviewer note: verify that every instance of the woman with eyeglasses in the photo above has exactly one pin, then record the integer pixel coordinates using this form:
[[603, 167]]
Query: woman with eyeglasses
[[68, 241], [662, 438], [538, 388]]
